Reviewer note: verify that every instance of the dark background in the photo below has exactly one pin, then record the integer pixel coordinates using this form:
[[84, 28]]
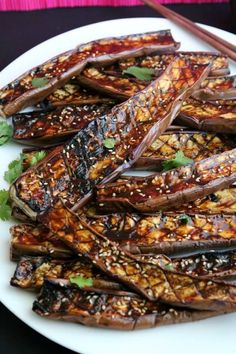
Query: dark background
[[20, 31]]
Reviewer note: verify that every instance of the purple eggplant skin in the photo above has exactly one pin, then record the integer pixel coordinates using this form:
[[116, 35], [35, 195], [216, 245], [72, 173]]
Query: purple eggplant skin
[[123, 311], [89, 159], [56, 72]]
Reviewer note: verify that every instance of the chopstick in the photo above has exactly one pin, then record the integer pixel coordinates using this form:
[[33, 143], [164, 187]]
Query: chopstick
[[215, 41]]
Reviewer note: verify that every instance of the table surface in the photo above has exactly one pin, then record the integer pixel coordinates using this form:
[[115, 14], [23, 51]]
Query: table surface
[[21, 31]]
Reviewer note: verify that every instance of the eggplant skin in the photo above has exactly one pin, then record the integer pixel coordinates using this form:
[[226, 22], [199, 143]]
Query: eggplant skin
[[59, 70], [172, 188], [73, 172], [208, 117], [126, 312], [39, 127], [145, 277]]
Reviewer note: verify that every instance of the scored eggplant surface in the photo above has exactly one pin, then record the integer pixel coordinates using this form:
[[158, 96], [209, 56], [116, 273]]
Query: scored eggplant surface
[[111, 79], [125, 312], [217, 90], [108, 145], [169, 189], [73, 93], [52, 127], [31, 272], [34, 85], [194, 144], [146, 278], [208, 116]]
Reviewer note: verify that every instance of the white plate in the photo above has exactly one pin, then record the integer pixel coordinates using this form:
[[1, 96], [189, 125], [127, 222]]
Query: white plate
[[216, 335]]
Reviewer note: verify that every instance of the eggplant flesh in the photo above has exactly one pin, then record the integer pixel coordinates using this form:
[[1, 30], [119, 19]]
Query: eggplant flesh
[[73, 94], [73, 171], [57, 71], [208, 117], [144, 277], [172, 188], [125, 312]]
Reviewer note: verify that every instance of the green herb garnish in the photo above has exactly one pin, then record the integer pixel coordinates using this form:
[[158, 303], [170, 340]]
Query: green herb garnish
[[145, 74], [109, 143], [169, 266], [5, 209], [38, 156], [179, 160], [184, 219], [81, 282], [15, 169], [39, 81], [6, 132]]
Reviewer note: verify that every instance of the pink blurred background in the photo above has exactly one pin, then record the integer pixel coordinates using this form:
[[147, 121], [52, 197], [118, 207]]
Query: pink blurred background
[[6, 5]]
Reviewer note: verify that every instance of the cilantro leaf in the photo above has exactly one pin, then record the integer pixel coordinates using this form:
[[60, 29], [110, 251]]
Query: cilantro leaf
[[38, 156], [15, 169], [179, 160], [5, 209], [39, 81], [6, 132], [109, 143], [81, 282], [184, 219], [145, 74]]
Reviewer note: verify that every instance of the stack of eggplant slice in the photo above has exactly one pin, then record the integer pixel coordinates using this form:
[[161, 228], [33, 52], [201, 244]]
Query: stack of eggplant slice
[[126, 252]]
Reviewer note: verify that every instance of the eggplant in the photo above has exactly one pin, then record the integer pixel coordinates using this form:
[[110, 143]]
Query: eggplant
[[147, 278], [28, 239], [111, 80], [208, 117], [31, 273], [211, 265], [125, 312], [50, 127], [162, 191], [217, 90], [108, 145], [36, 84], [194, 144], [169, 233], [73, 94]]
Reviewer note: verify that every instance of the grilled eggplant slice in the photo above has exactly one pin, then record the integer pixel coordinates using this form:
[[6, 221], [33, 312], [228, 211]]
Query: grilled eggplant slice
[[148, 279], [126, 312], [28, 239], [211, 265], [111, 80], [172, 188], [31, 272], [73, 94], [39, 127], [108, 145], [208, 116], [169, 233], [194, 144], [217, 90], [36, 84]]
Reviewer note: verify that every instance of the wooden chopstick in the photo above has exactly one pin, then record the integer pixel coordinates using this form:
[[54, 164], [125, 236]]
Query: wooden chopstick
[[215, 41]]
